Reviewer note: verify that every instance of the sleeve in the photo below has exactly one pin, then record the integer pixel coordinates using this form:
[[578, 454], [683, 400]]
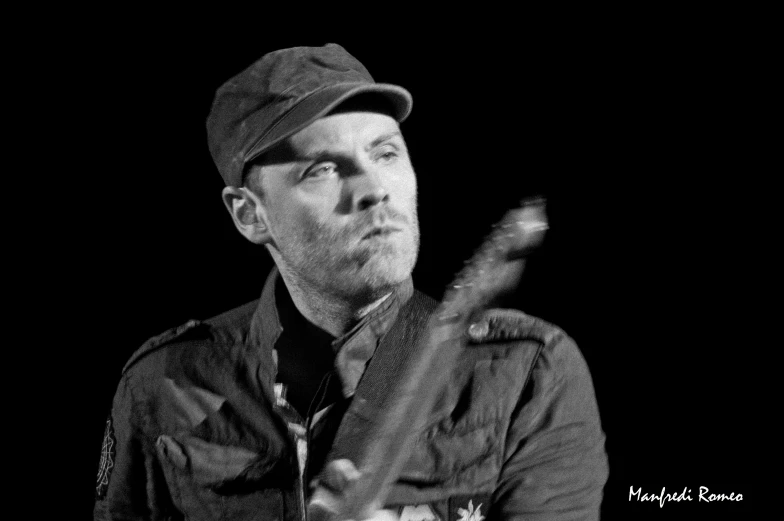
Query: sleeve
[[131, 485], [556, 465]]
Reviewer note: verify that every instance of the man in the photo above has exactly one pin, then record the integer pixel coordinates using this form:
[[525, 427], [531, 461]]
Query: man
[[236, 417]]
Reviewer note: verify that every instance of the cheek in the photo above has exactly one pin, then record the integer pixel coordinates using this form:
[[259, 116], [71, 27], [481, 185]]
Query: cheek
[[404, 188], [304, 223], [292, 207]]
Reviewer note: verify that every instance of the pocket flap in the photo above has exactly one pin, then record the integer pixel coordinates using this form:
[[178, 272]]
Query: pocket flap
[[211, 464]]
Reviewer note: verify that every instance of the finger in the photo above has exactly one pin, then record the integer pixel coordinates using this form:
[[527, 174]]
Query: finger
[[339, 474]]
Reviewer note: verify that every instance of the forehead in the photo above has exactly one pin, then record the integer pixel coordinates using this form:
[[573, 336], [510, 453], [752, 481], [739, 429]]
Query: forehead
[[343, 130]]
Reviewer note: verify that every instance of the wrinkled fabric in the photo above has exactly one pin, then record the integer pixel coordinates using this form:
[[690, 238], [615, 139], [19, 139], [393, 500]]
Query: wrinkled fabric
[[199, 434]]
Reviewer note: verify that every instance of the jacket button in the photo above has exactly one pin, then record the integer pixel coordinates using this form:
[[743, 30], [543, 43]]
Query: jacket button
[[478, 330]]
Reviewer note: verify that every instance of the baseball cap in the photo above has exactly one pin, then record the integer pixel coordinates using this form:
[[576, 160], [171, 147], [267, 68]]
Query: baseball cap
[[282, 93]]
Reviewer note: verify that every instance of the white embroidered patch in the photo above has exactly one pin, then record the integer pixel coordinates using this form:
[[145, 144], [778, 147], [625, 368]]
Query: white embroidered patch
[[418, 513], [470, 514], [107, 460]]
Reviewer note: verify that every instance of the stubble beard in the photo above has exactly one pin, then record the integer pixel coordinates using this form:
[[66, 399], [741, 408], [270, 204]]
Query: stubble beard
[[337, 262]]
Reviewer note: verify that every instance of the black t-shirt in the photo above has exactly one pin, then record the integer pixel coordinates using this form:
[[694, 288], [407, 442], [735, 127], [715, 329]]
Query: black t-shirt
[[306, 359]]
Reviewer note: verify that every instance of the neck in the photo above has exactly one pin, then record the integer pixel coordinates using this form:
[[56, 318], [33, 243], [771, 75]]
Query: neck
[[333, 314]]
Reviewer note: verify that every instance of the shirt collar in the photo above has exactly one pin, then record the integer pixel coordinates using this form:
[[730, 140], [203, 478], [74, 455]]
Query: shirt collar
[[353, 349]]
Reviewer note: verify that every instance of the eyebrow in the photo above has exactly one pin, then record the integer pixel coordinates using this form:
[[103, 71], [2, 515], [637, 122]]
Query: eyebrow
[[383, 138], [321, 153]]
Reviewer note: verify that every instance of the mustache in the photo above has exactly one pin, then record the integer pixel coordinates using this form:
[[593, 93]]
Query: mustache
[[361, 225], [384, 216]]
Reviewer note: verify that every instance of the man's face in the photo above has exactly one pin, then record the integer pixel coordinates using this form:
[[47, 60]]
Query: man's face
[[340, 201]]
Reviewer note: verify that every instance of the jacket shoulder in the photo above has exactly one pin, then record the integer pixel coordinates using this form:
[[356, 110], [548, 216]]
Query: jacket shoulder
[[508, 325], [229, 327], [181, 332]]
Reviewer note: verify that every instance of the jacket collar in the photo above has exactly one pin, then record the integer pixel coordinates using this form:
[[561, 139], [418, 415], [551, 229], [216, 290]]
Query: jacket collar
[[353, 349]]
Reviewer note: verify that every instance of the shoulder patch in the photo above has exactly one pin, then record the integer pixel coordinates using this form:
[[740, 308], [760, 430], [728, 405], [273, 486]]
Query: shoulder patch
[[105, 466], [510, 324], [160, 340]]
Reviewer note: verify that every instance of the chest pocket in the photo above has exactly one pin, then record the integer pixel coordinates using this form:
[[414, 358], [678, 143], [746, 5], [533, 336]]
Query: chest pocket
[[463, 447], [210, 481]]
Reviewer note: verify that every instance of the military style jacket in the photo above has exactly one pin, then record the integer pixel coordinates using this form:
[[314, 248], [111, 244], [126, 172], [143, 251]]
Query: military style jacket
[[200, 430]]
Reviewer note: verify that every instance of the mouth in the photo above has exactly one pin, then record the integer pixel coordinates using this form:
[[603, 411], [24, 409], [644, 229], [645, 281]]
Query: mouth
[[381, 232]]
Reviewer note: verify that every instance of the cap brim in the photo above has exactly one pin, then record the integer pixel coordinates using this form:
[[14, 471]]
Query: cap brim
[[322, 102]]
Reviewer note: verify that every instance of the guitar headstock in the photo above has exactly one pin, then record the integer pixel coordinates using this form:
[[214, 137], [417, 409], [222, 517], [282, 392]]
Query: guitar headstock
[[496, 266]]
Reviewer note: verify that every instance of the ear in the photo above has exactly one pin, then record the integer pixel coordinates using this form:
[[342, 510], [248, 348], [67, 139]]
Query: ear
[[248, 213]]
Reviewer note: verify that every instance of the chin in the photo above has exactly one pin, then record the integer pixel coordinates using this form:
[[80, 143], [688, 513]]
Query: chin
[[375, 271], [382, 274]]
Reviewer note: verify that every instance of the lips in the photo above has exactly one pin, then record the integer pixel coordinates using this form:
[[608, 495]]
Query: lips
[[381, 231]]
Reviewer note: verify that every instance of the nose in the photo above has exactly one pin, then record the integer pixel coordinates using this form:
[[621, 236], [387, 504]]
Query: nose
[[369, 191]]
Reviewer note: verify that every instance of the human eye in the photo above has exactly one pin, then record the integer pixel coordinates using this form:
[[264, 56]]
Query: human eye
[[386, 153], [320, 171]]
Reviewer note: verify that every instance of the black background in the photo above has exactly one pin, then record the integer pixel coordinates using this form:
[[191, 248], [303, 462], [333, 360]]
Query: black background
[[643, 140]]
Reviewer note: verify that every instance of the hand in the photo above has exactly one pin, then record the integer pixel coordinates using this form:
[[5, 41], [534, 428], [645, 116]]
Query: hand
[[327, 501]]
